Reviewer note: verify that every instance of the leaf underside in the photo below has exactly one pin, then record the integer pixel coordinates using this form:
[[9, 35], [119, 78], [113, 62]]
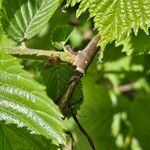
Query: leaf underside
[[56, 79], [116, 19], [139, 44], [24, 102], [20, 139], [4, 142], [24, 19]]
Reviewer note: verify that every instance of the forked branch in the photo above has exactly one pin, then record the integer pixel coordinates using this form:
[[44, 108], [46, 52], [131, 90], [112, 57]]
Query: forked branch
[[81, 62], [84, 57]]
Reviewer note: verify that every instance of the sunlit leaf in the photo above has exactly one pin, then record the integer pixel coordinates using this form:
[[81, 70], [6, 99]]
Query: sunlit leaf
[[116, 19], [137, 44], [24, 19], [24, 102]]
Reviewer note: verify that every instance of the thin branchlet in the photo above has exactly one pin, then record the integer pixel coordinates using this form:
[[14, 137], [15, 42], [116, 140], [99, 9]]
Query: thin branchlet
[[38, 54], [84, 132]]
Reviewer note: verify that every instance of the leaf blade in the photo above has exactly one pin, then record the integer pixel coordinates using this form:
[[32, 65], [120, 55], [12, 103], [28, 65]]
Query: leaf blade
[[116, 19], [24, 19], [20, 138], [21, 102]]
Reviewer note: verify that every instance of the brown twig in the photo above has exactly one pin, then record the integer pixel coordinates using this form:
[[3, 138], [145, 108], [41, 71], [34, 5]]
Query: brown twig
[[83, 58], [84, 132], [64, 99], [125, 88], [81, 62]]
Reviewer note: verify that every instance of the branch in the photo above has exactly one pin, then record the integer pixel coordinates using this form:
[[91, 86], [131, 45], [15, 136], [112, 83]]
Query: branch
[[83, 58], [84, 132], [125, 88], [81, 62], [64, 99], [37, 54]]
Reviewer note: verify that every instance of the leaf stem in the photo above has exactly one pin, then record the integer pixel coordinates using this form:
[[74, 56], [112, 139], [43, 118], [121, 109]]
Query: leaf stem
[[38, 54]]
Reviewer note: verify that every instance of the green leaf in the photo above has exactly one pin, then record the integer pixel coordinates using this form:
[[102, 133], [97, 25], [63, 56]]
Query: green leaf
[[100, 109], [42, 40], [56, 79], [120, 68], [12, 138], [24, 102], [4, 142], [139, 117], [76, 38], [129, 71], [59, 40], [137, 44], [98, 114], [24, 19], [116, 19]]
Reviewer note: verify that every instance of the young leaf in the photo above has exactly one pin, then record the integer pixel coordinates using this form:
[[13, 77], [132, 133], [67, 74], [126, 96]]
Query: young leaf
[[12, 137], [116, 19], [59, 40], [24, 102], [24, 19]]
